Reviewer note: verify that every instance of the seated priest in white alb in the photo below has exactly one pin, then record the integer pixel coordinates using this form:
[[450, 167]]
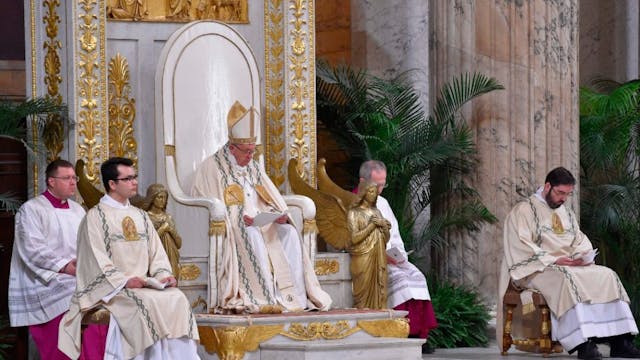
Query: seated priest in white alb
[[546, 251], [123, 267], [266, 268]]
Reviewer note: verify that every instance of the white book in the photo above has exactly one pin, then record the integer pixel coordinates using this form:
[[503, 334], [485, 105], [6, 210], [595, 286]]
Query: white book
[[396, 254], [155, 283], [265, 218]]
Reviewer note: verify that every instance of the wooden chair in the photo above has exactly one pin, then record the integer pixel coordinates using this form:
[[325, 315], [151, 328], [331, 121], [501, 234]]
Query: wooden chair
[[541, 344]]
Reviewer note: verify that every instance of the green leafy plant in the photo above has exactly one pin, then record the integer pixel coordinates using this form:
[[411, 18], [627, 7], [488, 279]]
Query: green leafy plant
[[42, 113], [610, 177], [462, 316], [427, 156]]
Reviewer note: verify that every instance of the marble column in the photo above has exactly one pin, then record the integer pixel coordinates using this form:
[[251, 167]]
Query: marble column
[[390, 37], [530, 46], [609, 40]]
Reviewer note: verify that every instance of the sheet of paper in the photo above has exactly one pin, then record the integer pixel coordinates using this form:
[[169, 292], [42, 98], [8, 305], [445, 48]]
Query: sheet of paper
[[396, 254], [155, 283], [265, 218], [589, 256]]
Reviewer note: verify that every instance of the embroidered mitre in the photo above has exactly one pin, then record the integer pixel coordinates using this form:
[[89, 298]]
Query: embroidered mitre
[[242, 124]]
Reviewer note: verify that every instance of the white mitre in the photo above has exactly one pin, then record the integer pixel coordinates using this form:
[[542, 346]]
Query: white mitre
[[242, 124]]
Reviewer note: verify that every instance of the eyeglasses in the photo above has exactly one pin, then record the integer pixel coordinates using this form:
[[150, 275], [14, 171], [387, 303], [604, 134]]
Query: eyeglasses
[[562, 193], [384, 185], [129, 178], [245, 151], [67, 178]]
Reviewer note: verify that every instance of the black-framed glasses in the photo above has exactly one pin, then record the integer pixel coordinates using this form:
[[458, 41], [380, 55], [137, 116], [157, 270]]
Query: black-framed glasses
[[67, 178], [245, 151], [129, 178]]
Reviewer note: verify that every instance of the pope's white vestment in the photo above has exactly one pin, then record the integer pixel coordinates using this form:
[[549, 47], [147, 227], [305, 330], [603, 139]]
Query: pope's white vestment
[[262, 266]]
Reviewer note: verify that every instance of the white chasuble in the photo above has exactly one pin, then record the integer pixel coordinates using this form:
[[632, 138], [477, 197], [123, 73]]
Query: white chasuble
[[115, 244], [262, 266]]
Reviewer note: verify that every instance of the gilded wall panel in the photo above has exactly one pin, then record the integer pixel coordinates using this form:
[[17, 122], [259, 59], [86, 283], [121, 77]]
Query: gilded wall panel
[[229, 11], [53, 132]]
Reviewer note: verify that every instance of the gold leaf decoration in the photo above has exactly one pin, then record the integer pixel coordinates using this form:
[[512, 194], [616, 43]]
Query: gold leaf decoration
[[320, 330], [274, 92], [189, 272], [326, 266], [122, 111], [229, 11], [398, 328], [53, 132], [230, 343]]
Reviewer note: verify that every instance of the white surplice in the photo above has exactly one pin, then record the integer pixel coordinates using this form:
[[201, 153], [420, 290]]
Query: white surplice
[[405, 280], [45, 241]]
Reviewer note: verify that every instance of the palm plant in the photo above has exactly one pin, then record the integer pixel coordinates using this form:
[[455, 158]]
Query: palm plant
[[427, 156], [40, 112], [610, 177]]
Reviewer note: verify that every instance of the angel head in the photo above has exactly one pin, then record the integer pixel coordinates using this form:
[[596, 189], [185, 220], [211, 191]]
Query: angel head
[[368, 193], [156, 197]]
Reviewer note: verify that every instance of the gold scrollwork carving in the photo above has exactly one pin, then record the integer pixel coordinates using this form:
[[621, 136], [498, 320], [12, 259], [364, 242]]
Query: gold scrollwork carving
[[229, 11], [199, 302], [217, 228], [299, 87], [91, 126], [230, 343], [320, 330], [189, 272], [122, 111], [274, 91], [53, 132], [326, 266], [398, 328], [169, 150]]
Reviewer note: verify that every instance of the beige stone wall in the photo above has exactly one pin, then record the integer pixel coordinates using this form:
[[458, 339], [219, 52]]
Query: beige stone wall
[[333, 31], [521, 132]]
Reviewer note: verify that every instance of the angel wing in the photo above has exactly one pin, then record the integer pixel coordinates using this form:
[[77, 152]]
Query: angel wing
[[326, 185], [90, 194], [331, 214]]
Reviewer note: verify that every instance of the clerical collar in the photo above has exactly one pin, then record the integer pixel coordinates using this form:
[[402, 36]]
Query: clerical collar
[[108, 200], [57, 203]]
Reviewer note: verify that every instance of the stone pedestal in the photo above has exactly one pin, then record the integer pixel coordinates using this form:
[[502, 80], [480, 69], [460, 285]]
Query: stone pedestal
[[334, 275], [338, 334]]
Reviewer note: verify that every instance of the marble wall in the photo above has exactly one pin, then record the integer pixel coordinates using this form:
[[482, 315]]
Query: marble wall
[[609, 36], [522, 131]]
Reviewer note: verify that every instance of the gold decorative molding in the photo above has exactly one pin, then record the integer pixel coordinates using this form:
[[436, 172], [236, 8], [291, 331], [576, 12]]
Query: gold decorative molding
[[122, 111], [34, 129], [301, 90], [398, 328], [169, 150], [309, 226], [229, 11], [230, 343], [274, 91], [326, 266], [53, 132], [199, 302], [320, 330], [189, 272], [90, 87], [217, 228]]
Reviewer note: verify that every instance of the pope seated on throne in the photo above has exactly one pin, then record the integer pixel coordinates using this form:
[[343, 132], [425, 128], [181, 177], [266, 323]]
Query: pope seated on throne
[[265, 268]]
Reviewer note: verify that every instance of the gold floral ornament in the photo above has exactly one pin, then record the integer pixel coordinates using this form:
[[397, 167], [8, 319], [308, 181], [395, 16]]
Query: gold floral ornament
[[327, 266], [129, 229], [230, 343], [122, 111], [320, 330]]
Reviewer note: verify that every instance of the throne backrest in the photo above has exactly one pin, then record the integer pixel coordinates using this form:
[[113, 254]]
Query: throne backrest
[[204, 68]]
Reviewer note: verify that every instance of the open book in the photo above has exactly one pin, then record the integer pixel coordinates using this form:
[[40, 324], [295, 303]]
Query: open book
[[265, 218], [396, 254], [587, 257], [155, 283]]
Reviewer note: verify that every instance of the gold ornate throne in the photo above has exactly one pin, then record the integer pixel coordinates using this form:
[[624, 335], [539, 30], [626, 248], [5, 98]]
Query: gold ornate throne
[[204, 67]]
